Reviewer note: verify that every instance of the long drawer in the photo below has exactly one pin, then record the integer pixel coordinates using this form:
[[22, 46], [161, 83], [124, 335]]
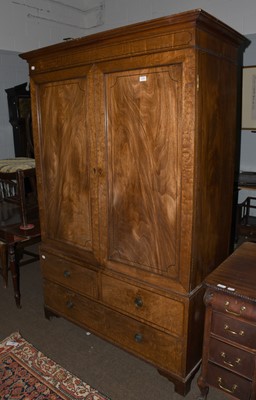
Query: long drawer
[[230, 383], [233, 306], [73, 276], [160, 310], [233, 329], [232, 358], [159, 348]]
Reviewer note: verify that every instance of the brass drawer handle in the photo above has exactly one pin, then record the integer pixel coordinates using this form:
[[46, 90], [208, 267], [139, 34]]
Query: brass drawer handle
[[232, 390], [237, 314], [66, 274], [227, 329], [229, 363], [138, 302]]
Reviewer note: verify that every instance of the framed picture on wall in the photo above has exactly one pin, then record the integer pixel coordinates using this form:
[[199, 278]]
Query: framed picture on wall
[[249, 98]]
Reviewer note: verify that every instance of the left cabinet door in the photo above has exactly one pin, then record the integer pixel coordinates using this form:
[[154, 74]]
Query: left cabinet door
[[66, 164]]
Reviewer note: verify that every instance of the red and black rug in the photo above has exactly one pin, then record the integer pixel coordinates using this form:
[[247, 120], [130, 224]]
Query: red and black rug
[[27, 374]]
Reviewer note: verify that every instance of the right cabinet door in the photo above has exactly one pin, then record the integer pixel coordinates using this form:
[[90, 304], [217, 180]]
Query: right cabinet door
[[143, 123]]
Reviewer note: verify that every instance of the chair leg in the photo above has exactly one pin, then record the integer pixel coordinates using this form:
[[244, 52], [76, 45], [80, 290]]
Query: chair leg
[[4, 262], [14, 268]]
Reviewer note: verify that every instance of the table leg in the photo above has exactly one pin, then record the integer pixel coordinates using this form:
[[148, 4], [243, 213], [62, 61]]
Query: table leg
[[14, 267]]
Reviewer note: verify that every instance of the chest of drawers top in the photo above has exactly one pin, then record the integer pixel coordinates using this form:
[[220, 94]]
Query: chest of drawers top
[[237, 274]]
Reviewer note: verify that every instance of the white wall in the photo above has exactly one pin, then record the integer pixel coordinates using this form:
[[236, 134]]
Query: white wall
[[248, 138], [29, 24], [240, 15], [13, 71]]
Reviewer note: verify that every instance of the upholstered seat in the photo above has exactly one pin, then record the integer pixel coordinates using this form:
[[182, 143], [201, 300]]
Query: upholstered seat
[[8, 175], [13, 164]]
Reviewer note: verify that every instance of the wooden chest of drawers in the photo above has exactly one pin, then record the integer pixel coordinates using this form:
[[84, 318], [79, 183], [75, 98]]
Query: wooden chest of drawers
[[142, 322], [229, 352]]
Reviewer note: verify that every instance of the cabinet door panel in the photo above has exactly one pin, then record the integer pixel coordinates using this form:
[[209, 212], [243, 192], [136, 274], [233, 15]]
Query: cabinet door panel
[[143, 113], [65, 155]]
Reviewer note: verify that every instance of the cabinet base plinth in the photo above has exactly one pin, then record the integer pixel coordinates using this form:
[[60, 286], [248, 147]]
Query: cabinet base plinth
[[181, 387]]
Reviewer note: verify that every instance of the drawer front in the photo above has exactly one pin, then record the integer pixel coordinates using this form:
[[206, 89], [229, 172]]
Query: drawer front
[[233, 306], [229, 382], [232, 358], [234, 329], [140, 303], [73, 276], [154, 346]]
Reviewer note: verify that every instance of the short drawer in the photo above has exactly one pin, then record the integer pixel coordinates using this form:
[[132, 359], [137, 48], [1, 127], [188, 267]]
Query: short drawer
[[158, 348], [74, 276], [233, 306], [232, 358], [234, 329], [140, 303], [229, 382]]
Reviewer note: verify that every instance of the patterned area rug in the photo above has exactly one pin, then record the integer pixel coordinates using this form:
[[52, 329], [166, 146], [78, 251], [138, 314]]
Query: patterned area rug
[[26, 373]]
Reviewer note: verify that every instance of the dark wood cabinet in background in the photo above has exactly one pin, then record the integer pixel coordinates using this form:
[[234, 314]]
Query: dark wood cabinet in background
[[135, 133], [229, 356], [19, 107]]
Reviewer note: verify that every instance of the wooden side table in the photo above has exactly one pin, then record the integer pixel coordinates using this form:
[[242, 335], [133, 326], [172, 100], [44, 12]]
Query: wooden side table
[[229, 349]]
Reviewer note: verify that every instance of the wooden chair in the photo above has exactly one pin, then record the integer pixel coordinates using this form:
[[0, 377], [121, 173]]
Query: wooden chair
[[18, 185], [19, 223], [13, 244], [246, 220]]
